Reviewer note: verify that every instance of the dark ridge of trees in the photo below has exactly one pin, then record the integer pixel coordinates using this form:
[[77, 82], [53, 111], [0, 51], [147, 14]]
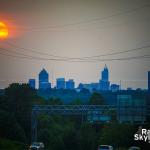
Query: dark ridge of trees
[[15, 107], [96, 99], [53, 101], [6, 144], [66, 95], [10, 128], [57, 132]]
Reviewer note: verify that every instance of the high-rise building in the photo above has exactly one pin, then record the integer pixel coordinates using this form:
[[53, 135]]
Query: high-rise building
[[60, 83], [70, 84], [44, 80], [105, 74], [149, 81], [32, 83], [104, 82]]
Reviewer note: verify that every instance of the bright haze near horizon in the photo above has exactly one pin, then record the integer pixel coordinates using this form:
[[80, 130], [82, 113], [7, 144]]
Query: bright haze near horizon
[[75, 28]]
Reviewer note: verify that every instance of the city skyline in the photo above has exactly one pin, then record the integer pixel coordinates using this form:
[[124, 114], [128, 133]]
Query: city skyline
[[53, 80], [103, 83], [74, 74], [51, 34]]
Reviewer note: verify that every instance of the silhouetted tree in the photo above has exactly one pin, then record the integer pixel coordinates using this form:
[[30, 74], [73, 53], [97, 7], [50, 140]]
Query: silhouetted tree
[[9, 128], [77, 102], [96, 99], [117, 135], [87, 137], [19, 99], [53, 101]]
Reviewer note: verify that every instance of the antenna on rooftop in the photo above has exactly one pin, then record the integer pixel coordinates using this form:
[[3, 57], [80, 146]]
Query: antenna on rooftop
[[120, 84]]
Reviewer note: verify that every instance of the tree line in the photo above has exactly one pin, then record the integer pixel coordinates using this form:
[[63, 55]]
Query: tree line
[[56, 132]]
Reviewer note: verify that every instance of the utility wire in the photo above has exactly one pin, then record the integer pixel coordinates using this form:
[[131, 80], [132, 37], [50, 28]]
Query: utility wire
[[53, 59], [88, 29], [120, 52], [34, 51], [18, 54], [21, 55], [86, 21], [79, 58], [14, 52]]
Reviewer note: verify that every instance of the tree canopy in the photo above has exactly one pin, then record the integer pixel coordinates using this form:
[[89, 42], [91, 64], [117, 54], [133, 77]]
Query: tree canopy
[[96, 99]]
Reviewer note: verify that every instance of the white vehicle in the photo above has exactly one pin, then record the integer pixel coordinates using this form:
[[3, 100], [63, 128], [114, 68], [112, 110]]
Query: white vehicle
[[105, 147], [134, 148], [37, 146]]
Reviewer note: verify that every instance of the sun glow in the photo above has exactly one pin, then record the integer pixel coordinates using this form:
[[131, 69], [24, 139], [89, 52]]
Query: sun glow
[[3, 31]]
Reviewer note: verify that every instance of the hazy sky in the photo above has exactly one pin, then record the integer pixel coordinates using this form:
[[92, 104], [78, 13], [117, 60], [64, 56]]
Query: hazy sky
[[75, 28]]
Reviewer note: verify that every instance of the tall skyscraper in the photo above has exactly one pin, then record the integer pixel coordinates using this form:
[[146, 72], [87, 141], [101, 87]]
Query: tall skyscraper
[[149, 81], [32, 83], [60, 83], [104, 82], [44, 80], [105, 74], [70, 84]]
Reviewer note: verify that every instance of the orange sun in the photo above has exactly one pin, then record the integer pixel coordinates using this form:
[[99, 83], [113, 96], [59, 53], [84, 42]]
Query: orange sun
[[3, 31]]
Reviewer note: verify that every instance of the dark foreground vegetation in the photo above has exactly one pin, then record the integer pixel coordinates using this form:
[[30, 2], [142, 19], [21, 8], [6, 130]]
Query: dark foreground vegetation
[[57, 132]]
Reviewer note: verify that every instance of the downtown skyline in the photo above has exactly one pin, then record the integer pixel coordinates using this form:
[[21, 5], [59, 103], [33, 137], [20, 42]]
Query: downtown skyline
[[74, 74], [53, 80], [45, 80]]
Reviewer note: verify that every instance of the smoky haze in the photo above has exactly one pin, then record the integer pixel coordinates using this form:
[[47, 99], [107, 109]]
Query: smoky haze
[[75, 28]]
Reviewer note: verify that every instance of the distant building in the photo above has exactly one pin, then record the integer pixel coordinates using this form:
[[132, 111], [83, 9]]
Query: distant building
[[94, 86], [105, 74], [130, 109], [70, 84], [91, 86], [32, 83], [149, 81], [87, 86], [44, 80], [114, 87], [129, 89], [60, 83], [104, 82], [80, 87], [138, 89], [104, 85]]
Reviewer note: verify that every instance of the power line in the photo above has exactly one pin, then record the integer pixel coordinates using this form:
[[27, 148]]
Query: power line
[[121, 52], [98, 60], [97, 28], [34, 51], [79, 58], [86, 21], [88, 29], [18, 53], [21, 55]]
